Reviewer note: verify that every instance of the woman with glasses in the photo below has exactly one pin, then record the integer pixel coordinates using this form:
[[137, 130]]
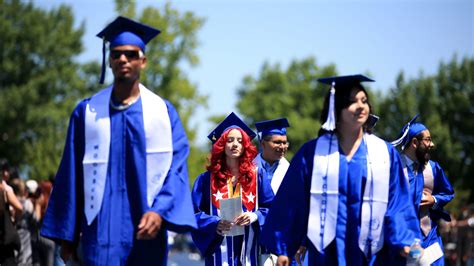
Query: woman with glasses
[[344, 194], [230, 199]]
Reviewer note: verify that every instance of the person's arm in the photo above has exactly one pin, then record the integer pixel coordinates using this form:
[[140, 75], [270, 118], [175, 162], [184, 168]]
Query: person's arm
[[443, 192], [283, 260], [209, 233], [66, 204], [12, 199], [287, 220], [149, 226], [401, 221]]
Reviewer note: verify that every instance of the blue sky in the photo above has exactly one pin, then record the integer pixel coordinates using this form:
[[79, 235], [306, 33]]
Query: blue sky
[[380, 37]]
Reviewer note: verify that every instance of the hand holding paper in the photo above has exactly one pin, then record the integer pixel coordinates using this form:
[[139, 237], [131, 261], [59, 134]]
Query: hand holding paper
[[230, 210], [223, 227]]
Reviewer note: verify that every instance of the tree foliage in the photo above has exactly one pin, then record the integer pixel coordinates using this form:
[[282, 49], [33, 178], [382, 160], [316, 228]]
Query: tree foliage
[[444, 102], [38, 82]]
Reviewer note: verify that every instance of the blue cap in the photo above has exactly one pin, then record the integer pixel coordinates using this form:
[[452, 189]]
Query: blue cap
[[231, 121], [124, 31], [409, 131], [339, 82], [272, 127]]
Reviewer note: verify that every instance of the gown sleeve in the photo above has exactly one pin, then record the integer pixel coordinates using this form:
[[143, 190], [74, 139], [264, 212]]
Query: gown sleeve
[[287, 221], [205, 237], [401, 222], [173, 202], [65, 207], [442, 191]]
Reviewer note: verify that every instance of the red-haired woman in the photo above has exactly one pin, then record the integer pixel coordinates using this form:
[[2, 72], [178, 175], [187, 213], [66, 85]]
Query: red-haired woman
[[230, 174]]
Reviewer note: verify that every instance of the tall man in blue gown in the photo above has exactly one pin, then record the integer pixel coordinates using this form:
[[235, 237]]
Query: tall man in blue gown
[[122, 181], [429, 186]]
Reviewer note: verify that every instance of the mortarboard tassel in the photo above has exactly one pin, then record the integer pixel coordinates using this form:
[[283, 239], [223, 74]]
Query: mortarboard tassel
[[330, 123], [102, 71], [405, 131]]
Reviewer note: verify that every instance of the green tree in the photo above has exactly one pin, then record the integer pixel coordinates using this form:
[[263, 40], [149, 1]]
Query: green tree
[[444, 102], [38, 76]]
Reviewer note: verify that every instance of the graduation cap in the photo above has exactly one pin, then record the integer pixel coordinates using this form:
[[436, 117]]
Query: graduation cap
[[124, 31], [341, 82], [409, 131], [272, 127], [231, 121]]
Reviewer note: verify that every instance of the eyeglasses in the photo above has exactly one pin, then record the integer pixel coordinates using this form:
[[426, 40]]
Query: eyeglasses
[[427, 140], [129, 54], [279, 142]]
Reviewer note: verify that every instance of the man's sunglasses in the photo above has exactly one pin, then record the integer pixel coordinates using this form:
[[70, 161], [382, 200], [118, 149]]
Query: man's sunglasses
[[129, 54]]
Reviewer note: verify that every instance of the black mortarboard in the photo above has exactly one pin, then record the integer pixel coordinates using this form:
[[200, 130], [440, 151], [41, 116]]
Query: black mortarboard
[[124, 31], [339, 82], [231, 121]]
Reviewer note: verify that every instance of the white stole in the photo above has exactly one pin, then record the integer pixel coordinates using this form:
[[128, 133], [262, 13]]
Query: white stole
[[279, 173], [428, 185], [325, 190], [159, 147]]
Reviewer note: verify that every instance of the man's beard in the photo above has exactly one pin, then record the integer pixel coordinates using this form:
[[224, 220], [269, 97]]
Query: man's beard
[[422, 155]]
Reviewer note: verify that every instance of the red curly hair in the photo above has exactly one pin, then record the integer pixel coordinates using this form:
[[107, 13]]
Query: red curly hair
[[217, 163]]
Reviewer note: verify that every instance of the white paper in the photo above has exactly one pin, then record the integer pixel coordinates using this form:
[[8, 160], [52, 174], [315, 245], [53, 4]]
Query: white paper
[[229, 210], [431, 254]]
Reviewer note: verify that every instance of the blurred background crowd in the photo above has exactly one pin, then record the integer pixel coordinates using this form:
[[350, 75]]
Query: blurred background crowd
[[28, 247], [24, 203]]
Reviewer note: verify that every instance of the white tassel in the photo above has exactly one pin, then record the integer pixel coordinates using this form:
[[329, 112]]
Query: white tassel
[[400, 140], [330, 123], [405, 129]]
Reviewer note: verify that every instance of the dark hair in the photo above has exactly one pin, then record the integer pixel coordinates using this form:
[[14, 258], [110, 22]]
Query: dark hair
[[342, 100], [4, 164]]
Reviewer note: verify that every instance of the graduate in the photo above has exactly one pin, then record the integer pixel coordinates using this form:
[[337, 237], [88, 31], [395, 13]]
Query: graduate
[[122, 182], [231, 173], [344, 194], [429, 186], [274, 144]]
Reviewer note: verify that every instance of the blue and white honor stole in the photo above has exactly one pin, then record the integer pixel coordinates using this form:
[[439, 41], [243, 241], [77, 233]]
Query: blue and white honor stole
[[325, 190], [159, 147]]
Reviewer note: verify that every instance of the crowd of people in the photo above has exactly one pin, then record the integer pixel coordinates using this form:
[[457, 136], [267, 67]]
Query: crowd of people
[[346, 198], [24, 204]]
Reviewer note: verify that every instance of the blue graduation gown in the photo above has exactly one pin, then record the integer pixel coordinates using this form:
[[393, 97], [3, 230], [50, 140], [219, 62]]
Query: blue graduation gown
[[442, 191], [111, 237], [206, 237], [287, 221]]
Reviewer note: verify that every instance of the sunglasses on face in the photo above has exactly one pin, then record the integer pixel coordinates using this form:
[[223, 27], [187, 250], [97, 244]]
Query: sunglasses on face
[[129, 54]]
